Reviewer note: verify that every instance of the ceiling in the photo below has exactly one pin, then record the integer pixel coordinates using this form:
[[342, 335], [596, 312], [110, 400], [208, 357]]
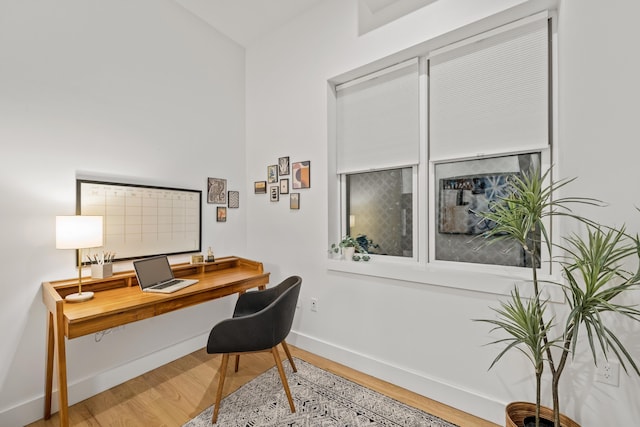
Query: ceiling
[[244, 21]]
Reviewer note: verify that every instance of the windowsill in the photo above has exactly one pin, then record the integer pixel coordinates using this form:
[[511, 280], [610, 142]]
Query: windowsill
[[469, 277]]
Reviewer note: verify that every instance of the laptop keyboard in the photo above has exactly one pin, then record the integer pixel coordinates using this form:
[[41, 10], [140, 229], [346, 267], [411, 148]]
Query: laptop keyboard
[[167, 284]]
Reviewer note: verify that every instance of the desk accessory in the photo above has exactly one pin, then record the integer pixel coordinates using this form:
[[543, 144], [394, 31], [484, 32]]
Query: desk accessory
[[78, 232], [101, 271], [101, 265]]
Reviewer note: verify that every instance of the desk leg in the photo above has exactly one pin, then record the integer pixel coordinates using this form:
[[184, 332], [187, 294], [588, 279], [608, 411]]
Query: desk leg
[[48, 388], [56, 349], [62, 369]]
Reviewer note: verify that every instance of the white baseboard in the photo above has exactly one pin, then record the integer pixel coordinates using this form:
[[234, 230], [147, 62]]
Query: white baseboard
[[465, 400], [32, 410]]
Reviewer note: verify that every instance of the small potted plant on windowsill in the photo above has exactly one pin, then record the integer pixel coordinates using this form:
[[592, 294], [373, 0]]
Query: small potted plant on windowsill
[[347, 246], [353, 248]]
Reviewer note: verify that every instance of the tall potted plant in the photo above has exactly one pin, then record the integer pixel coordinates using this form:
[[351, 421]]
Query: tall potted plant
[[593, 268]]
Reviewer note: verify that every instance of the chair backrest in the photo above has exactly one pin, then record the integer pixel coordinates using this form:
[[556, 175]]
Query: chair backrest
[[284, 307], [252, 302], [286, 284], [262, 329]]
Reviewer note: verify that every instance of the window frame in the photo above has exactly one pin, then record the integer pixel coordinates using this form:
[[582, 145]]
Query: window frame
[[422, 268]]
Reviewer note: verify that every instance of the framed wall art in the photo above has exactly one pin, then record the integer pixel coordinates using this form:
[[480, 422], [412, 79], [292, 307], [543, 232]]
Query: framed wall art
[[221, 214], [301, 175], [260, 187], [294, 201], [274, 195], [272, 174], [284, 186], [234, 199], [217, 191], [283, 166]]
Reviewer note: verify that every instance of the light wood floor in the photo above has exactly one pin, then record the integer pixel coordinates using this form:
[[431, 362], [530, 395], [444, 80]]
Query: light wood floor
[[177, 392]]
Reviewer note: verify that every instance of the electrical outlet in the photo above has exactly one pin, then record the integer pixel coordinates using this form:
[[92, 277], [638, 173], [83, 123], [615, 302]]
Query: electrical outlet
[[608, 372], [314, 304]]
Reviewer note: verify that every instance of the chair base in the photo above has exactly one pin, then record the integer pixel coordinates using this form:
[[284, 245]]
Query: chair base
[[283, 378], [286, 350]]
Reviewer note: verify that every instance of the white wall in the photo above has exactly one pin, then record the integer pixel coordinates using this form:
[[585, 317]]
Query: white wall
[[135, 77], [599, 92], [118, 90], [416, 335]]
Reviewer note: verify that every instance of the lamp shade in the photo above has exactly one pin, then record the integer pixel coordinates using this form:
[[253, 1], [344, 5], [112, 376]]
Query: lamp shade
[[78, 232]]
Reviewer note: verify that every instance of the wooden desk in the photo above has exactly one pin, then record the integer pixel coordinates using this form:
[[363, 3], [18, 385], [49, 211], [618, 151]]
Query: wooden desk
[[118, 300]]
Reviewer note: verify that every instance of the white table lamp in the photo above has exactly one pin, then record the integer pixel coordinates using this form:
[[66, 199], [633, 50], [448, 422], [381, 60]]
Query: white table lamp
[[78, 232]]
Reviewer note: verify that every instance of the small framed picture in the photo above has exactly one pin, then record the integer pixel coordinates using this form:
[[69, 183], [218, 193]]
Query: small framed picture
[[260, 187], [221, 214], [217, 191], [301, 175], [283, 166], [234, 199], [272, 174], [294, 201], [274, 194], [284, 185]]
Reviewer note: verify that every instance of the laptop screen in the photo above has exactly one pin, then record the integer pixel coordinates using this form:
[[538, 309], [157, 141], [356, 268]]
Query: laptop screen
[[151, 271]]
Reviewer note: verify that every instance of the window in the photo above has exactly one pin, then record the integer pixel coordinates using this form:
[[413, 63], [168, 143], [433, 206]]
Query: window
[[377, 147], [421, 144], [379, 206], [491, 96]]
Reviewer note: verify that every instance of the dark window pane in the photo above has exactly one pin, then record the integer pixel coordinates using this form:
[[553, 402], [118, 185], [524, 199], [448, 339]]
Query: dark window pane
[[379, 206]]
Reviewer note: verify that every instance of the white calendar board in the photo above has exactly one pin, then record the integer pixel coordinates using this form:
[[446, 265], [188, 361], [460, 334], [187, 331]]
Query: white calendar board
[[143, 220]]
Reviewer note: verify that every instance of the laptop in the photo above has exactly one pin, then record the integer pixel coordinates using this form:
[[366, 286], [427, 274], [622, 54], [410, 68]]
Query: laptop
[[155, 275]]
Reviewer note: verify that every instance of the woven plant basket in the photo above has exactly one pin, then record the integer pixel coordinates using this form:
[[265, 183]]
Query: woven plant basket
[[516, 412]]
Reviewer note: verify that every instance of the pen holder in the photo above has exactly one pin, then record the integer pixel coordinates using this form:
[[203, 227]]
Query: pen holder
[[101, 271]]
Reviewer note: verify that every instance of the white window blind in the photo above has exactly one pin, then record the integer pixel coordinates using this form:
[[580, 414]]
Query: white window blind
[[378, 120], [492, 95]]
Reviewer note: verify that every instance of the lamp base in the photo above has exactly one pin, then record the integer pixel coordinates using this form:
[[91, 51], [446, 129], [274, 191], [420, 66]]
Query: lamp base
[[84, 296]]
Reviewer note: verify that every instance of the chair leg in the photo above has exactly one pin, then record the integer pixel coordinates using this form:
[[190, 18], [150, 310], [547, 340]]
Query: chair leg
[[237, 362], [222, 373], [286, 350], [283, 378]]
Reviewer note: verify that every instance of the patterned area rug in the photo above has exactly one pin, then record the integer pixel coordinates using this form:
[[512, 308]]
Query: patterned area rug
[[321, 399]]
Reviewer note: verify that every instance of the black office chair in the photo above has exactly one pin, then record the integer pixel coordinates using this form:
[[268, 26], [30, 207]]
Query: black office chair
[[261, 320]]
